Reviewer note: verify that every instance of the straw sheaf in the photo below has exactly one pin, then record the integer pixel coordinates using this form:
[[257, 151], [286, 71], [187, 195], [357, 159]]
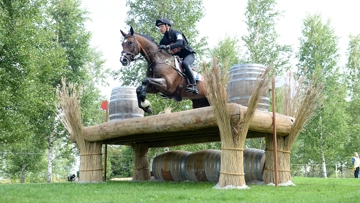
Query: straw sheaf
[[233, 135], [70, 115], [216, 80], [306, 101]]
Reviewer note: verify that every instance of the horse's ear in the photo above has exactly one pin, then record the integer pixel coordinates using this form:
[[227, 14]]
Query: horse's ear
[[131, 30], [122, 33]]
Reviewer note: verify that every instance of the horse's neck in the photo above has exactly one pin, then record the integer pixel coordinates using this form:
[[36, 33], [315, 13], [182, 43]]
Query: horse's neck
[[148, 49]]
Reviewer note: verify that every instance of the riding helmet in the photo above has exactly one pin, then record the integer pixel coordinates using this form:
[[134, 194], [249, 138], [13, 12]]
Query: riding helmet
[[163, 21]]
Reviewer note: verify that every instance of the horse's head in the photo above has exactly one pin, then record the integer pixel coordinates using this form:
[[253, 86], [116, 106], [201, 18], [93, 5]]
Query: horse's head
[[130, 48]]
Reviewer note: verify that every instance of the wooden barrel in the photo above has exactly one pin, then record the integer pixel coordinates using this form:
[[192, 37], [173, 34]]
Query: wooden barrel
[[123, 104], [243, 78], [203, 166], [169, 166], [254, 162]]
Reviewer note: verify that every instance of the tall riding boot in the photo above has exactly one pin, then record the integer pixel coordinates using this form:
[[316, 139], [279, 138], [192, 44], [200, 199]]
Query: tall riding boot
[[192, 86]]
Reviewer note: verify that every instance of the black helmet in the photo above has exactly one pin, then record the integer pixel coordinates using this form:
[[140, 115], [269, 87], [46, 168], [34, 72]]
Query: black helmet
[[163, 21]]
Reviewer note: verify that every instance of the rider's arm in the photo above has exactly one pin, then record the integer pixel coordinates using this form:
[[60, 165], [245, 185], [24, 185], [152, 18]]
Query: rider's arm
[[179, 41]]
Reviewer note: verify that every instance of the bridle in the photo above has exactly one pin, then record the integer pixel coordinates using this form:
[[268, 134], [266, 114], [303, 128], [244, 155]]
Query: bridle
[[129, 56]]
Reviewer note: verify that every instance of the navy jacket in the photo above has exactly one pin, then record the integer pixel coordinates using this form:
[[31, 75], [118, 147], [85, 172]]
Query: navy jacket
[[176, 39]]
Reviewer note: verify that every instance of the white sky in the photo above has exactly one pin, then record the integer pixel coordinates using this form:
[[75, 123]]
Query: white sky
[[222, 17]]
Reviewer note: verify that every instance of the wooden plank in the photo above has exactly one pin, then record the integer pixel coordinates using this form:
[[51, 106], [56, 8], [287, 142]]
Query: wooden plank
[[182, 124]]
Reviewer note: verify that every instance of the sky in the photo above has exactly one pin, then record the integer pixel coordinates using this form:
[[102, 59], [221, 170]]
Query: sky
[[221, 17]]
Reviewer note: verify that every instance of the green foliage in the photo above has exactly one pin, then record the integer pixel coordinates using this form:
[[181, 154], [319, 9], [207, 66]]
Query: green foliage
[[121, 161], [227, 52], [353, 81], [261, 42], [40, 42], [353, 65], [318, 55], [318, 52], [198, 147]]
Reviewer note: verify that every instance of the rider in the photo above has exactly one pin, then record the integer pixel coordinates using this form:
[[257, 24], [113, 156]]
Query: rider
[[174, 40]]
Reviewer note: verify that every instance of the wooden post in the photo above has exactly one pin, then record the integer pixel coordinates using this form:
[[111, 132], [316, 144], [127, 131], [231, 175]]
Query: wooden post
[[141, 164], [106, 120], [274, 133]]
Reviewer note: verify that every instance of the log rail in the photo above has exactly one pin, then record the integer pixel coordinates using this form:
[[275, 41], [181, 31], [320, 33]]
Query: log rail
[[185, 127]]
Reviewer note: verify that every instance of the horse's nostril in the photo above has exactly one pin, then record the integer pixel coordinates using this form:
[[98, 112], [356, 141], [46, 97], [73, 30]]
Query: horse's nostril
[[122, 60]]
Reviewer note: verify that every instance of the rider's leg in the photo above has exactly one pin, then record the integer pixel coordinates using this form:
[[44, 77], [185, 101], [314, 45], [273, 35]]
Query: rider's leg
[[187, 61]]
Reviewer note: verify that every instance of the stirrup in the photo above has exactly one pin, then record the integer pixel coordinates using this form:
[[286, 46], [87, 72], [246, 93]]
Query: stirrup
[[164, 96], [192, 88]]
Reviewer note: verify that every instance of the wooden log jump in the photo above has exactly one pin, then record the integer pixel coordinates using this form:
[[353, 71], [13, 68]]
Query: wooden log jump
[[191, 126]]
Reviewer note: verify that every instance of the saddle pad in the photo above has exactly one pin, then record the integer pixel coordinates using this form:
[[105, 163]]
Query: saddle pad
[[198, 76]]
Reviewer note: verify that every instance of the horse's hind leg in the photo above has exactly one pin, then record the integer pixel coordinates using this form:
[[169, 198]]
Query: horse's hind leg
[[141, 97]]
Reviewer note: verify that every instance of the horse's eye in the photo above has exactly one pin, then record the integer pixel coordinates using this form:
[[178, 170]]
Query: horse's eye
[[130, 43]]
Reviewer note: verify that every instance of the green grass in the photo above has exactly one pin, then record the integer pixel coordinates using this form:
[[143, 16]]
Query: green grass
[[306, 190]]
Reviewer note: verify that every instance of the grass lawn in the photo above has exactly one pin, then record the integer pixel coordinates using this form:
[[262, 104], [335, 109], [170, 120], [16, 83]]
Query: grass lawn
[[306, 190]]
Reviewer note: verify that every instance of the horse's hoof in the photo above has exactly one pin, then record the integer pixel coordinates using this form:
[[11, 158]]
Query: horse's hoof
[[164, 96]]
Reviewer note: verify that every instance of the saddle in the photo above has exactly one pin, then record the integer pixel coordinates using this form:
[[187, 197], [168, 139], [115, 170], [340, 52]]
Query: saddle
[[180, 70], [178, 67]]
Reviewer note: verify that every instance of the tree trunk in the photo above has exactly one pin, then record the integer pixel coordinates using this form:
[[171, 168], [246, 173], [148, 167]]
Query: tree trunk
[[323, 164], [50, 157], [283, 161], [23, 172], [141, 163]]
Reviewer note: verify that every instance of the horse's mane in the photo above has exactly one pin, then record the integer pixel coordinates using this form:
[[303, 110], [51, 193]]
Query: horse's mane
[[148, 37]]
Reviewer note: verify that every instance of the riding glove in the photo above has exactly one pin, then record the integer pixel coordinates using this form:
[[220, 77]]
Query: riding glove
[[164, 46]]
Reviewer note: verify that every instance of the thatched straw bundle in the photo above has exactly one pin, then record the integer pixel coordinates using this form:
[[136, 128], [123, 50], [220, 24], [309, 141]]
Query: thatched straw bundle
[[300, 102], [70, 116], [141, 163], [233, 135]]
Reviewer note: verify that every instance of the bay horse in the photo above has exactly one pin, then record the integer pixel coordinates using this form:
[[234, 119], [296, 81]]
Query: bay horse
[[164, 73]]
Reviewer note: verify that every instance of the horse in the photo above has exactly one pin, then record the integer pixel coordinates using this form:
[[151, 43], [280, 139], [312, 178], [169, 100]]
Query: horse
[[164, 74]]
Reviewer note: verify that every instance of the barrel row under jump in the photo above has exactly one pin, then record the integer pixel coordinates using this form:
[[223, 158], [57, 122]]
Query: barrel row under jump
[[204, 166]]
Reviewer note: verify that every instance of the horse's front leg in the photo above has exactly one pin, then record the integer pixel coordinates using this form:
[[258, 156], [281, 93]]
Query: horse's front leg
[[141, 97]]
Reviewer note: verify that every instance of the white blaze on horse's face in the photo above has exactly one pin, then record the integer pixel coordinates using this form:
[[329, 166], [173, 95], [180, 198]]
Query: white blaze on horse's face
[[123, 59]]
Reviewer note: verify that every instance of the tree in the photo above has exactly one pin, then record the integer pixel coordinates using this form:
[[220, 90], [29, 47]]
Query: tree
[[227, 52], [84, 64], [322, 138], [35, 54], [261, 42], [353, 81], [26, 45]]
